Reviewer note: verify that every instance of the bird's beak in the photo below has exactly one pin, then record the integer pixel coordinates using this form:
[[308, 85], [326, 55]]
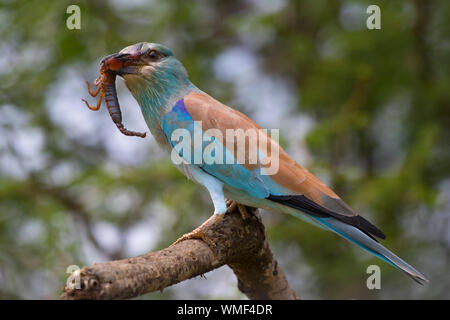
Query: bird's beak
[[121, 63]]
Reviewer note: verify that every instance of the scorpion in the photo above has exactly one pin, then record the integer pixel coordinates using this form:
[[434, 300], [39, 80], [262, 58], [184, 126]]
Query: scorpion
[[106, 87]]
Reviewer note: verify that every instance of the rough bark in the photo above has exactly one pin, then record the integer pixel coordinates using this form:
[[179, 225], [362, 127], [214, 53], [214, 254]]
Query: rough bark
[[241, 244]]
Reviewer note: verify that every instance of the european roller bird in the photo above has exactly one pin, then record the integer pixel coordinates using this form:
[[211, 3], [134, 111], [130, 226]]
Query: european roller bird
[[169, 101]]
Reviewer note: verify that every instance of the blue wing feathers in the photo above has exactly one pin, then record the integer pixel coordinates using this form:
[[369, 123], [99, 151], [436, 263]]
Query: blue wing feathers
[[235, 175]]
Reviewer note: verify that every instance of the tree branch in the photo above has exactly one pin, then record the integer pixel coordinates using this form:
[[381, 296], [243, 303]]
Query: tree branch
[[241, 244]]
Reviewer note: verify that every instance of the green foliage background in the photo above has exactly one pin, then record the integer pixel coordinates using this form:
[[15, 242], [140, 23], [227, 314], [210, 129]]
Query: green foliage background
[[377, 105]]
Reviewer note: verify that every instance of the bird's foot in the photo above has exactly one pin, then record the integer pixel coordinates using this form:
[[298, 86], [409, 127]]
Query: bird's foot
[[200, 235], [200, 232], [231, 205]]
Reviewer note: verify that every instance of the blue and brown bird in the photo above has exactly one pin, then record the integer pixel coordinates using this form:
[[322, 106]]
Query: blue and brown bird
[[170, 102]]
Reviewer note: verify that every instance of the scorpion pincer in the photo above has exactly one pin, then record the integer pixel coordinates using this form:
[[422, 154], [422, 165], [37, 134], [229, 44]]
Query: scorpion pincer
[[106, 87]]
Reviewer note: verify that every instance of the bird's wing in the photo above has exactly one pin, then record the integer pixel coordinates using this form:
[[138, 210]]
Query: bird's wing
[[291, 184]]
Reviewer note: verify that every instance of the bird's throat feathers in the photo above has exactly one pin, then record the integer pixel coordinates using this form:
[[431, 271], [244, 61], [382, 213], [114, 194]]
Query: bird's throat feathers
[[157, 90]]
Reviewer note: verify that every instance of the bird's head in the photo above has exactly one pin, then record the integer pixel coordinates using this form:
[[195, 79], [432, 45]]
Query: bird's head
[[150, 71]]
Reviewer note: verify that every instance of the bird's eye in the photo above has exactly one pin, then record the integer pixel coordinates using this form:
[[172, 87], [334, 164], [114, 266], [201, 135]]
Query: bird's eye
[[153, 54]]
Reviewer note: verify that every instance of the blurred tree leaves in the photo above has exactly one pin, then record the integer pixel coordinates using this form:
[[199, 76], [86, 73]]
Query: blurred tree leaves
[[379, 101]]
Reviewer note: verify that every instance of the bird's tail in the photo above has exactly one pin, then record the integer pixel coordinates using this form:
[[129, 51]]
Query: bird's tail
[[361, 239]]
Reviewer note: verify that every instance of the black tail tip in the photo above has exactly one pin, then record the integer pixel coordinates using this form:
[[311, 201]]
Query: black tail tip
[[420, 279]]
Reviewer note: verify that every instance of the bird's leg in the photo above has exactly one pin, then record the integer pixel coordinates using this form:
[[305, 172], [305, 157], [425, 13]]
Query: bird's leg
[[99, 102], [93, 94], [215, 188], [199, 233]]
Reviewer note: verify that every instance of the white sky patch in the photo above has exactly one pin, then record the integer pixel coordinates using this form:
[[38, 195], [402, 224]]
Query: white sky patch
[[268, 98], [39, 284], [220, 283], [29, 142], [90, 254], [64, 172], [143, 236], [122, 200], [352, 16], [130, 4], [236, 63], [31, 231], [21, 144], [90, 195], [15, 57], [96, 127], [9, 167], [11, 116], [107, 235]]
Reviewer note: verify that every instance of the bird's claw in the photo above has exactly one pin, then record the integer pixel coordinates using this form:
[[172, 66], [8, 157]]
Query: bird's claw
[[200, 235], [231, 205], [200, 232], [242, 211]]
